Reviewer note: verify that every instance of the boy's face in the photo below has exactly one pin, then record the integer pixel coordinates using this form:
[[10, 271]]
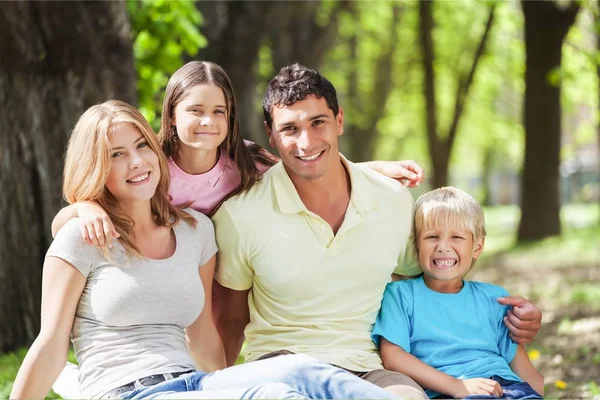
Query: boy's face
[[446, 253]]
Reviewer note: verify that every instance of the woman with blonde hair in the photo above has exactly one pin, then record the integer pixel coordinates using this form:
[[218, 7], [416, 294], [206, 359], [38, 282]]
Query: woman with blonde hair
[[139, 314]]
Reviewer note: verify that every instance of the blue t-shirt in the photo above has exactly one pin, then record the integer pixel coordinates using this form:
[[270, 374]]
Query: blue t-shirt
[[461, 334]]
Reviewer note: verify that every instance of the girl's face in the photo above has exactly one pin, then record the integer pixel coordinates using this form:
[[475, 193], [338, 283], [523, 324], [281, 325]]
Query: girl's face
[[134, 170], [201, 117]]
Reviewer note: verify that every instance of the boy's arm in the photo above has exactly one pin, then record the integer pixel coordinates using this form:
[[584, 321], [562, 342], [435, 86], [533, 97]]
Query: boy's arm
[[523, 367], [396, 359]]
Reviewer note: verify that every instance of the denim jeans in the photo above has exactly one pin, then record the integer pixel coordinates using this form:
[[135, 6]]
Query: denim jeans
[[288, 376], [511, 389]]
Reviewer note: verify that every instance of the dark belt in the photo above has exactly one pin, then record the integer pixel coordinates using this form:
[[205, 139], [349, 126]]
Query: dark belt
[[146, 381]]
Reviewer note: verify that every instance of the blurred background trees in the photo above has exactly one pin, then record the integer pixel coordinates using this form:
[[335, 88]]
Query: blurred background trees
[[500, 98]]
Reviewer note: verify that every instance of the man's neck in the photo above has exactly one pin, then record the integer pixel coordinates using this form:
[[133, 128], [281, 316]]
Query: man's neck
[[328, 196]]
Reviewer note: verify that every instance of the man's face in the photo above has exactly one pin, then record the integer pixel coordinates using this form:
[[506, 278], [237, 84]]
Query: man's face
[[306, 136]]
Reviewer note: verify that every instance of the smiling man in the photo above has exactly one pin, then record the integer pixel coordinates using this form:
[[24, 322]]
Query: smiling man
[[305, 255]]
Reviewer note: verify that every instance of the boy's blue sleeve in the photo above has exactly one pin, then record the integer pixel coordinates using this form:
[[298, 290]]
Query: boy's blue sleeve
[[506, 346], [394, 320]]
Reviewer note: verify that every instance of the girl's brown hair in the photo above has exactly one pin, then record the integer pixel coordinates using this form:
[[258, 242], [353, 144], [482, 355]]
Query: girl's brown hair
[[200, 73], [88, 161]]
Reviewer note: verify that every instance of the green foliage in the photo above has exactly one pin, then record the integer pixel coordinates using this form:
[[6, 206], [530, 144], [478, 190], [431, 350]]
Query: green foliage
[[163, 32], [594, 389], [9, 366]]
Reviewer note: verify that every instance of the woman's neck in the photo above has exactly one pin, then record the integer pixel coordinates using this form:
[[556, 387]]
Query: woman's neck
[[141, 215], [194, 161]]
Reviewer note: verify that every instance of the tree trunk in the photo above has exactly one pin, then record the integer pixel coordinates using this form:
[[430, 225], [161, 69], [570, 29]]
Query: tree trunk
[[546, 26], [235, 31], [486, 179], [440, 146], [362, 137], [57, 60], [597, 25], [295, 35]]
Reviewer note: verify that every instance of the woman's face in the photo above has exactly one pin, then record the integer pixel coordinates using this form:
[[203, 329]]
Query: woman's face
[[201, 117], [134, 171]]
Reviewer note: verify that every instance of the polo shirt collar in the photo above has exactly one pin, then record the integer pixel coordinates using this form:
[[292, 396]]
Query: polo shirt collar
[[362, 196], [289, 202]]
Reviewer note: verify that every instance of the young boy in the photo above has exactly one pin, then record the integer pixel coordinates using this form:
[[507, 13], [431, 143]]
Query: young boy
[[445, 332]]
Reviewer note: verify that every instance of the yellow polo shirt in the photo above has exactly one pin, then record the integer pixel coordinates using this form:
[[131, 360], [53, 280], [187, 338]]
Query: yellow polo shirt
[[314, 292]]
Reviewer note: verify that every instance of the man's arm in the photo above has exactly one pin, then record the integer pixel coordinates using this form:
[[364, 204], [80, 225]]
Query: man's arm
[[231, 315], [523, 367], [523, 321]]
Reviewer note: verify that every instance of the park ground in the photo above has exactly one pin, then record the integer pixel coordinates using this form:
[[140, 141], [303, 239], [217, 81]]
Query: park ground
[[560, 274]]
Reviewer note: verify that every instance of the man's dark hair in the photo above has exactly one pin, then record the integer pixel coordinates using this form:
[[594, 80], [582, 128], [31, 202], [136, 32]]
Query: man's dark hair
[[294, 83]]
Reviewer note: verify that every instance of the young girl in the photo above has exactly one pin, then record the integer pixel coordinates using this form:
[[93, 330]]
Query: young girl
[[139, 314], [208, 158]]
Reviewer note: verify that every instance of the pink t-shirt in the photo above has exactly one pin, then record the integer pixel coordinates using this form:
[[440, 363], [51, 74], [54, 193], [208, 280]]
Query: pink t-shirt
[[205, 191]]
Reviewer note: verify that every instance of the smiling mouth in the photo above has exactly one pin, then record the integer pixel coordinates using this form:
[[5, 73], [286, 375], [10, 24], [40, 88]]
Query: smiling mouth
[[445, 263], [139, 178], [310, 158]]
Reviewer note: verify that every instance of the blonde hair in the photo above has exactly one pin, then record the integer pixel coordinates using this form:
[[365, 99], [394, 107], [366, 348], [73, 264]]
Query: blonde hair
[[448, 206], [88, 162]]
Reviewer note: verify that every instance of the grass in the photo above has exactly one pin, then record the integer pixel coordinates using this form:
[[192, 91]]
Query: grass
[[561, 275], [9, 366]]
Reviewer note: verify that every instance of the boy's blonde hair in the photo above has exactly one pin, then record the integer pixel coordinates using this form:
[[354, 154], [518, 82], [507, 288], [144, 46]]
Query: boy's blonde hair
[[448, 206], [88, 162]]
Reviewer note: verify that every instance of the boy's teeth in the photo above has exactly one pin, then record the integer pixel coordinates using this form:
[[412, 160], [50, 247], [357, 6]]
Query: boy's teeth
[[139, 178], [445, 263], [310, 158]]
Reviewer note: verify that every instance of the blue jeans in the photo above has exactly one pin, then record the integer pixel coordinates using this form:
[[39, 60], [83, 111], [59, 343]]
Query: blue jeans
[[511, 389], [287, 376]]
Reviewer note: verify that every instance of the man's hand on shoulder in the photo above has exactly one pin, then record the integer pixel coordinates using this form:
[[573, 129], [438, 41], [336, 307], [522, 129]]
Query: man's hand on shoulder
[[523, 321]]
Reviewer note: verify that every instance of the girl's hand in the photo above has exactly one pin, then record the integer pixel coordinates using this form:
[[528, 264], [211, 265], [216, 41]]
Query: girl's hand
[[407, 172], [96, 227], [476, 386]]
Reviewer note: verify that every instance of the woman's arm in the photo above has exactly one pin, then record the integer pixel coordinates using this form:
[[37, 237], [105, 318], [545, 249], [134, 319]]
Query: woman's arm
[[396, 359], [408, 172], [96, 227], [523, 367], [62, 286], [204, 342]]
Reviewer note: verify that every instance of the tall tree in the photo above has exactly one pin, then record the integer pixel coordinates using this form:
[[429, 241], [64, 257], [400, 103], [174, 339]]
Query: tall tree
[[546, 25], [368, 108], [235, 30], [57, 60], [440, 142]]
